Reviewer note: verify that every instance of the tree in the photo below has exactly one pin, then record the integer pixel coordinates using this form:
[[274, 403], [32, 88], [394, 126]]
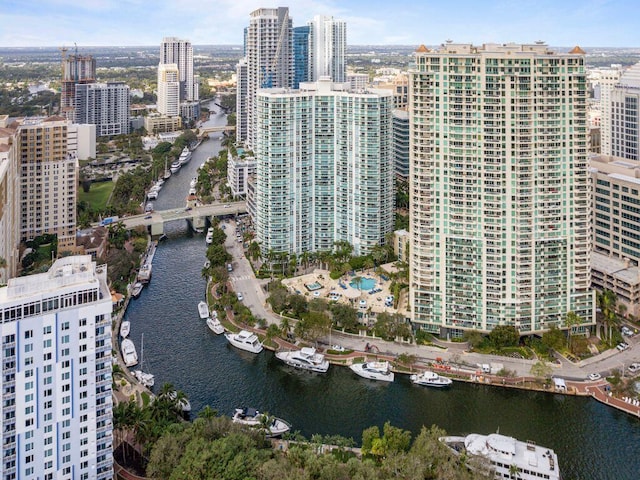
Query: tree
[[572, 320], [407, 359], [504, 336], [541, 371], [554, 339], [344, 315], [607, 301], [473, 337], [343, 251]]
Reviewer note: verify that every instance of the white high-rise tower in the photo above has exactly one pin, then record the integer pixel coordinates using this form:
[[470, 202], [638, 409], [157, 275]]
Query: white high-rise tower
[[178, 52], [499, 189], [327, 47]]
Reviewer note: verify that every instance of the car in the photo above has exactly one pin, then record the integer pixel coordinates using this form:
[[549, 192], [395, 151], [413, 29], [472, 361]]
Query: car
[[229, 267], [634, 367], [147, 217], [227, 206], [626, 332], [240, 297], [594, 376], [622, 346]]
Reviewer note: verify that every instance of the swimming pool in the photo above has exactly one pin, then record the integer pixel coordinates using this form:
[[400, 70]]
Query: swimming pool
[[366, 283], [313, 286]]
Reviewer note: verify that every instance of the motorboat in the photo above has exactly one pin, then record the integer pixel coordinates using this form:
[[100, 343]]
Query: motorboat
[[125, 327], [145, 378], [183, 403], [245, 340], [203, 310], [273, 426], [431, 379], [306, 359], [499, 455], [185, 156], [136, 290], [144, 274], [175, 166], [209, 238], [129, 354], [374, 370], [215, 326]]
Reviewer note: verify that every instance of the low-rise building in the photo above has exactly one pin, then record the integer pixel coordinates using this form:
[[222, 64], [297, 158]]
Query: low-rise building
[[155, 124], [621, 277], [239, 168]]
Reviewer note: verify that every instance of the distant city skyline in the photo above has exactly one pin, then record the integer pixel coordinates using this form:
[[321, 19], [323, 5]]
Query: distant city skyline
[[589, 23]]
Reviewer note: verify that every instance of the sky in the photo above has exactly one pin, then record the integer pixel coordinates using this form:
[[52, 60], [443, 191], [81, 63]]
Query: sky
[[55, 23]]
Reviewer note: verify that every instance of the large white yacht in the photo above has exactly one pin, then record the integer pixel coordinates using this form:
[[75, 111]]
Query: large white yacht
[[506, 457], [374, 371], [431, 379], [129, 354], [214, 325], [306, 358], [245, 341], [273, 426], [203, 310], [185, 156]]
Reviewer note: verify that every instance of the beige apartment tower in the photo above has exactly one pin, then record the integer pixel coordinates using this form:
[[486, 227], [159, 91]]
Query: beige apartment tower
[[499, 189]]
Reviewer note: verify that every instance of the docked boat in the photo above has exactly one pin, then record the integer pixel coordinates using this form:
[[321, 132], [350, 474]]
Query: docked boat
[[125, 327], [175, 166], [306, 359], [273, 426], [136, 290], [374, 371], [244, 341], [431, 379], [129, 354], [185, 156], [505, 457], [144, 274], [215, 326], [183, 403], [203, 310], [145, 378], [209, 238]]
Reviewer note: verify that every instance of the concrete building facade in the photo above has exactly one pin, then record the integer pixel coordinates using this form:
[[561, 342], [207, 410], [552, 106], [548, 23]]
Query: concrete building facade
[[179, 52], [327, 48], [9, 201], [499, 189], [324, 168], [56, 370], [168, 89], [105, 105]]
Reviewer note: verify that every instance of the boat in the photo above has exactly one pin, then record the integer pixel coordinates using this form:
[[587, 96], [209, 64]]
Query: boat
[[431, 379], [306, 359], [145, 378], [244, 341], [203, 310], [501, 456], [183, 403], [144, 274], [273, 426], [193, 182], [209, 238], [125, 327], [214, 325], [129, 354], [136, 290], [167, 172], [185, 156], [175, 166], [374, 371]]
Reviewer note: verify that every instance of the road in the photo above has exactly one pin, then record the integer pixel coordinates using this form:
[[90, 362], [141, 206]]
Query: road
[[244, 280]]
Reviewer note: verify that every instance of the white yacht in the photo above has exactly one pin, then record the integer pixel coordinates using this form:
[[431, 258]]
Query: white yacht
[[374, 370], [273, 426], [125, 327], [136, 290], [184, 403], [175, 166], [306, 358], [215, 326], [129, 354], [430, 379], [185, 156], [506, 457], [203, 310], [245, 341], [145, 378]]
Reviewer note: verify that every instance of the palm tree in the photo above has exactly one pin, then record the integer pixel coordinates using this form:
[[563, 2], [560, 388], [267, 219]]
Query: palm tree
[[607, 301], [253, 250], [207, 413], [285, 326], [572, 320]]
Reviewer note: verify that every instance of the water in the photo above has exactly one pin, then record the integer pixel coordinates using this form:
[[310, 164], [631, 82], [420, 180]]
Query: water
[[365, 283], [592, 441]]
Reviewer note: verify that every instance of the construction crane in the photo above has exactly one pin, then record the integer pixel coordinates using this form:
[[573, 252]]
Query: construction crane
[[267, 72]]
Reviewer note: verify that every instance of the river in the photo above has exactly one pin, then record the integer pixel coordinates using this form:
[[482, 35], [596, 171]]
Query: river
[[592, 440]]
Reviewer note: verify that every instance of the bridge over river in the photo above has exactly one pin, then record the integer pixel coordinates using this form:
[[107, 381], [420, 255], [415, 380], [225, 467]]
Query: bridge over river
[[195, 215]]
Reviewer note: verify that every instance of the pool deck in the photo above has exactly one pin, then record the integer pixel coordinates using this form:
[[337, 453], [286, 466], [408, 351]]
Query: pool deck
[[375, 301]]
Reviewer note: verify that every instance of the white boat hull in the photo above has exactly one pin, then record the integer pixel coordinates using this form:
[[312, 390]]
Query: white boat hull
[[129, 354], [203, 310], [125, 327], [276, 428], [215, 326], [362, 370], [244, 341], [293, 359], [431, 379], [146, 379]]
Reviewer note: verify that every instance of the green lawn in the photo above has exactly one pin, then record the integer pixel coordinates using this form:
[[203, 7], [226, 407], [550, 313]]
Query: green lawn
[[98, 194]]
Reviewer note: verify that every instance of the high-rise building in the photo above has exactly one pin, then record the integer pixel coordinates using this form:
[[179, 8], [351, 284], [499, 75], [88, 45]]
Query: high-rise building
[[324, 168], [180, 53], [607, 80], [56, 373], [168, 89], [241, 100], [401, 144], [9, 201], [76, 70], [48, 176], [268, 49], [300, 55], [327, 48], [624, 115], [500, 210], [105, 105]]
